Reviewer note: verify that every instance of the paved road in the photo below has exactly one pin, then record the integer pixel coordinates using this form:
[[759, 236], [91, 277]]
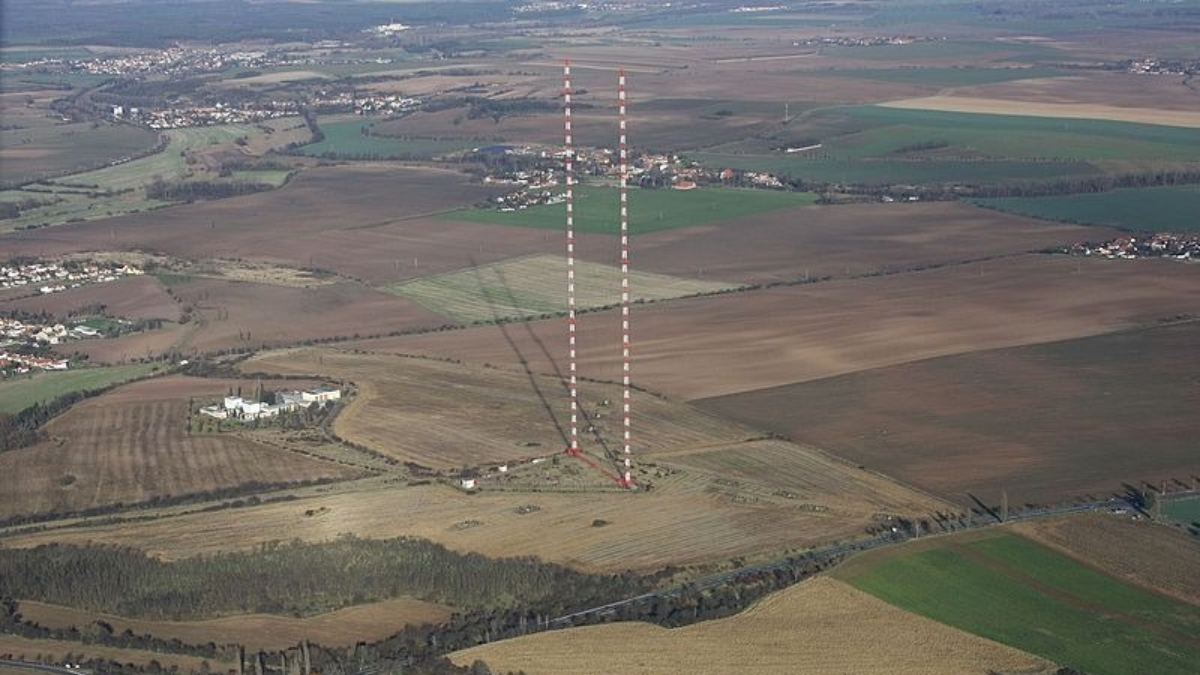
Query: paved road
[[53, 670], [829, 553]]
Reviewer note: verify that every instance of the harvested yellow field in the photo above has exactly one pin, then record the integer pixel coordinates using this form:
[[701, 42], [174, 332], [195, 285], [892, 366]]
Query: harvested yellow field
[[821, 626], [1087, 111], [688, 517], [446, 415], [709, 490], [782, 474], [25, 649], [342, 628]]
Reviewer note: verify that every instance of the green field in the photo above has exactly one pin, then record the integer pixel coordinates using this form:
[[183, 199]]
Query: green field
[[879, 145], [119, 189], [1163, 209], [346, 140], [168, 165], [1186, 511], [28, 54], [596, 209], [895, 171], [941, 76], [875, 131], [534, 286], [1021, 594], [955, 51], [60, 147], [22, 391], [73, 80]]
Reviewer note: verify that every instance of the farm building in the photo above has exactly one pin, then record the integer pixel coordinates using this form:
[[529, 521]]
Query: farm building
[[236, 407], [321, 394]]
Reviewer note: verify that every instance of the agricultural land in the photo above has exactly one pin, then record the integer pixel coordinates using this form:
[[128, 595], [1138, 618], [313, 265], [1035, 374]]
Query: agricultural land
[[909, 340], [1016, 592], [819, 626]]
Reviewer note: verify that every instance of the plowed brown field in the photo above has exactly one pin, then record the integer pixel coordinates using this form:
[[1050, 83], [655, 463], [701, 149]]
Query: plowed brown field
[[367, 221], [821, 626], [141, 297], [848, 240], [705, 347], [1044, 422]]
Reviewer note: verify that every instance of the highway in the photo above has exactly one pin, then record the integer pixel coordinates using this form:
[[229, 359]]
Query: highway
[[833, 552]]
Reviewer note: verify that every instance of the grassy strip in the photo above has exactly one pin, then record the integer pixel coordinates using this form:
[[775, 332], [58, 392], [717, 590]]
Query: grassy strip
[[1054, 616], [19, 393], [347, 140], [1182, 510]]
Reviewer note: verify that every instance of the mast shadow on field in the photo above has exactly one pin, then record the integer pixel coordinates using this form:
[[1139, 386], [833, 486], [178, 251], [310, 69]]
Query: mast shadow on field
[[501, 322], [585, 416], [984, 508]]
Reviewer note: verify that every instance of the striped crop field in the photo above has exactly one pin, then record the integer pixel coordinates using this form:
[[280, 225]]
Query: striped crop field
[[536, 286]]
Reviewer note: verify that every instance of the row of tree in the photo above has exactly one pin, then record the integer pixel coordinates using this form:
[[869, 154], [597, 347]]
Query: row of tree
[[190, 191], [297, 578]]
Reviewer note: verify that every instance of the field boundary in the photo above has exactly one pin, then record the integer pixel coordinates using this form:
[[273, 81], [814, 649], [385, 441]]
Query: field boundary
[[1083, 111]]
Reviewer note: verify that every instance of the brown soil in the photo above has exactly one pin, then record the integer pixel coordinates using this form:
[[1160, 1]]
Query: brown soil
[[705, 347], [141, 297], [239, 314], [1045, 422], [848, 240], [364, 221]]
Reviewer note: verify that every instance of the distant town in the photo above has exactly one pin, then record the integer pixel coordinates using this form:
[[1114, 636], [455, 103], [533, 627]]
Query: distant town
[[26, 341], [52, 277], [1163, 245], [538, 184]]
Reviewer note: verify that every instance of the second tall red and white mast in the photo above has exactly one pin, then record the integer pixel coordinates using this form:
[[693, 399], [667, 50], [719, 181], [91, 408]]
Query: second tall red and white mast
[[569, 179], [627, 455]]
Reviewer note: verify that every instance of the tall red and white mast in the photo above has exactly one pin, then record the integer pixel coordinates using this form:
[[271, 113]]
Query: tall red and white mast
[[627, 475], [569, 179]]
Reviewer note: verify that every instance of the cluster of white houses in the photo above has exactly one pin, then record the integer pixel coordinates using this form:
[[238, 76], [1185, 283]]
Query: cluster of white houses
[[238, 408]]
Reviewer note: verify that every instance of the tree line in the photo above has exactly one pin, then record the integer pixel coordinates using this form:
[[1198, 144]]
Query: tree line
[[190, 191], [297, 578]]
